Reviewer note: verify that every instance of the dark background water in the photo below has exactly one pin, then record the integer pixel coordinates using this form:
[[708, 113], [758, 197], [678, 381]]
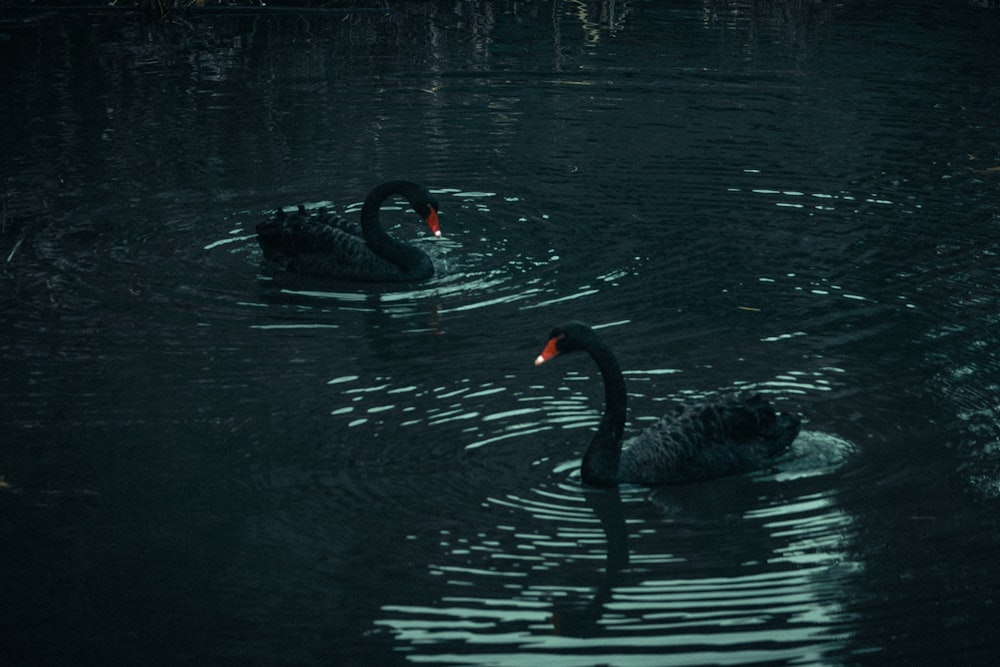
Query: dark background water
[[205, 462]]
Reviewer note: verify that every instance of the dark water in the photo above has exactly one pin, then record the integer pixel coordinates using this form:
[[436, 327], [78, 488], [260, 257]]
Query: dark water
[[204, 462]]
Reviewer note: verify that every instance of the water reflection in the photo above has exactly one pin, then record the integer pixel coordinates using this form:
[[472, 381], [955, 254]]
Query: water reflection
[[579, 577], [601, 18], [754, 24]]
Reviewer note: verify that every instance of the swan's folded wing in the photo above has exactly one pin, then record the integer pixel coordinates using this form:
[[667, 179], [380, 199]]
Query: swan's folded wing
[[706, 440]]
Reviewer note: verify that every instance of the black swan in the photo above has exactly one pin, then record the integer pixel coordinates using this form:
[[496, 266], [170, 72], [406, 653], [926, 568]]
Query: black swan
[[726, 437], [322, 244]]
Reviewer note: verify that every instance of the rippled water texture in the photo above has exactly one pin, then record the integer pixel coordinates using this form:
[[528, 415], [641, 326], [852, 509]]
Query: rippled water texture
[[206, 460]]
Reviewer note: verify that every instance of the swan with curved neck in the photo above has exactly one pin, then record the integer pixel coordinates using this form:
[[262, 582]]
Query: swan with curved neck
[[726, 437], [321, 244]]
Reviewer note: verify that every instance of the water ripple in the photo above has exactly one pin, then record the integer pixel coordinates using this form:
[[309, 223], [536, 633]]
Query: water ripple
[[490, 254], [641, 600]]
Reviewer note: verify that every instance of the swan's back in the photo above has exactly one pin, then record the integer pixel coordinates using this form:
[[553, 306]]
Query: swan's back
[[321, 243], [727, 437], [286, 237]]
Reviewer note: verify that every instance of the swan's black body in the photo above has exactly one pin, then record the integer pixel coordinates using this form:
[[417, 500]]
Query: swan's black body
[[321, 244], [726, 437]]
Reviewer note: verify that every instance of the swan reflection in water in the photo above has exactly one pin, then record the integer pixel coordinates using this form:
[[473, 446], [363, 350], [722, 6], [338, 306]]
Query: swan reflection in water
[[583, 620], [723, 582]]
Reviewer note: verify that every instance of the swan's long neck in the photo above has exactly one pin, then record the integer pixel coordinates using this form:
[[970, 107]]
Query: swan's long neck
[[600, 461], [380, 243]]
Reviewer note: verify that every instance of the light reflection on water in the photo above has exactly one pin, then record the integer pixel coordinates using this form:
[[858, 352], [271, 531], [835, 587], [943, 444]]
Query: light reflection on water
[[791, 599], [766, 207], [537, 408]]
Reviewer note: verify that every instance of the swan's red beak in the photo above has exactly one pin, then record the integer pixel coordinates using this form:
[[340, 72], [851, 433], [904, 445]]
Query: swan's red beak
[[432, 222], [549, 352]]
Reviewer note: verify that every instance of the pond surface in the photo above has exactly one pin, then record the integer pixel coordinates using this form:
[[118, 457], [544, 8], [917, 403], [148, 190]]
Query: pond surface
[[208, 461]]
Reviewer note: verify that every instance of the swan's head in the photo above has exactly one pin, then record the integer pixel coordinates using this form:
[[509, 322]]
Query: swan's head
[[427, 208], [432, 221], [568, 337]]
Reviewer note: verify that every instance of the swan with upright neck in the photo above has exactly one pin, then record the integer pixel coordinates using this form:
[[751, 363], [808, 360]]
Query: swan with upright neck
[[696, 442], [321, 244]]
